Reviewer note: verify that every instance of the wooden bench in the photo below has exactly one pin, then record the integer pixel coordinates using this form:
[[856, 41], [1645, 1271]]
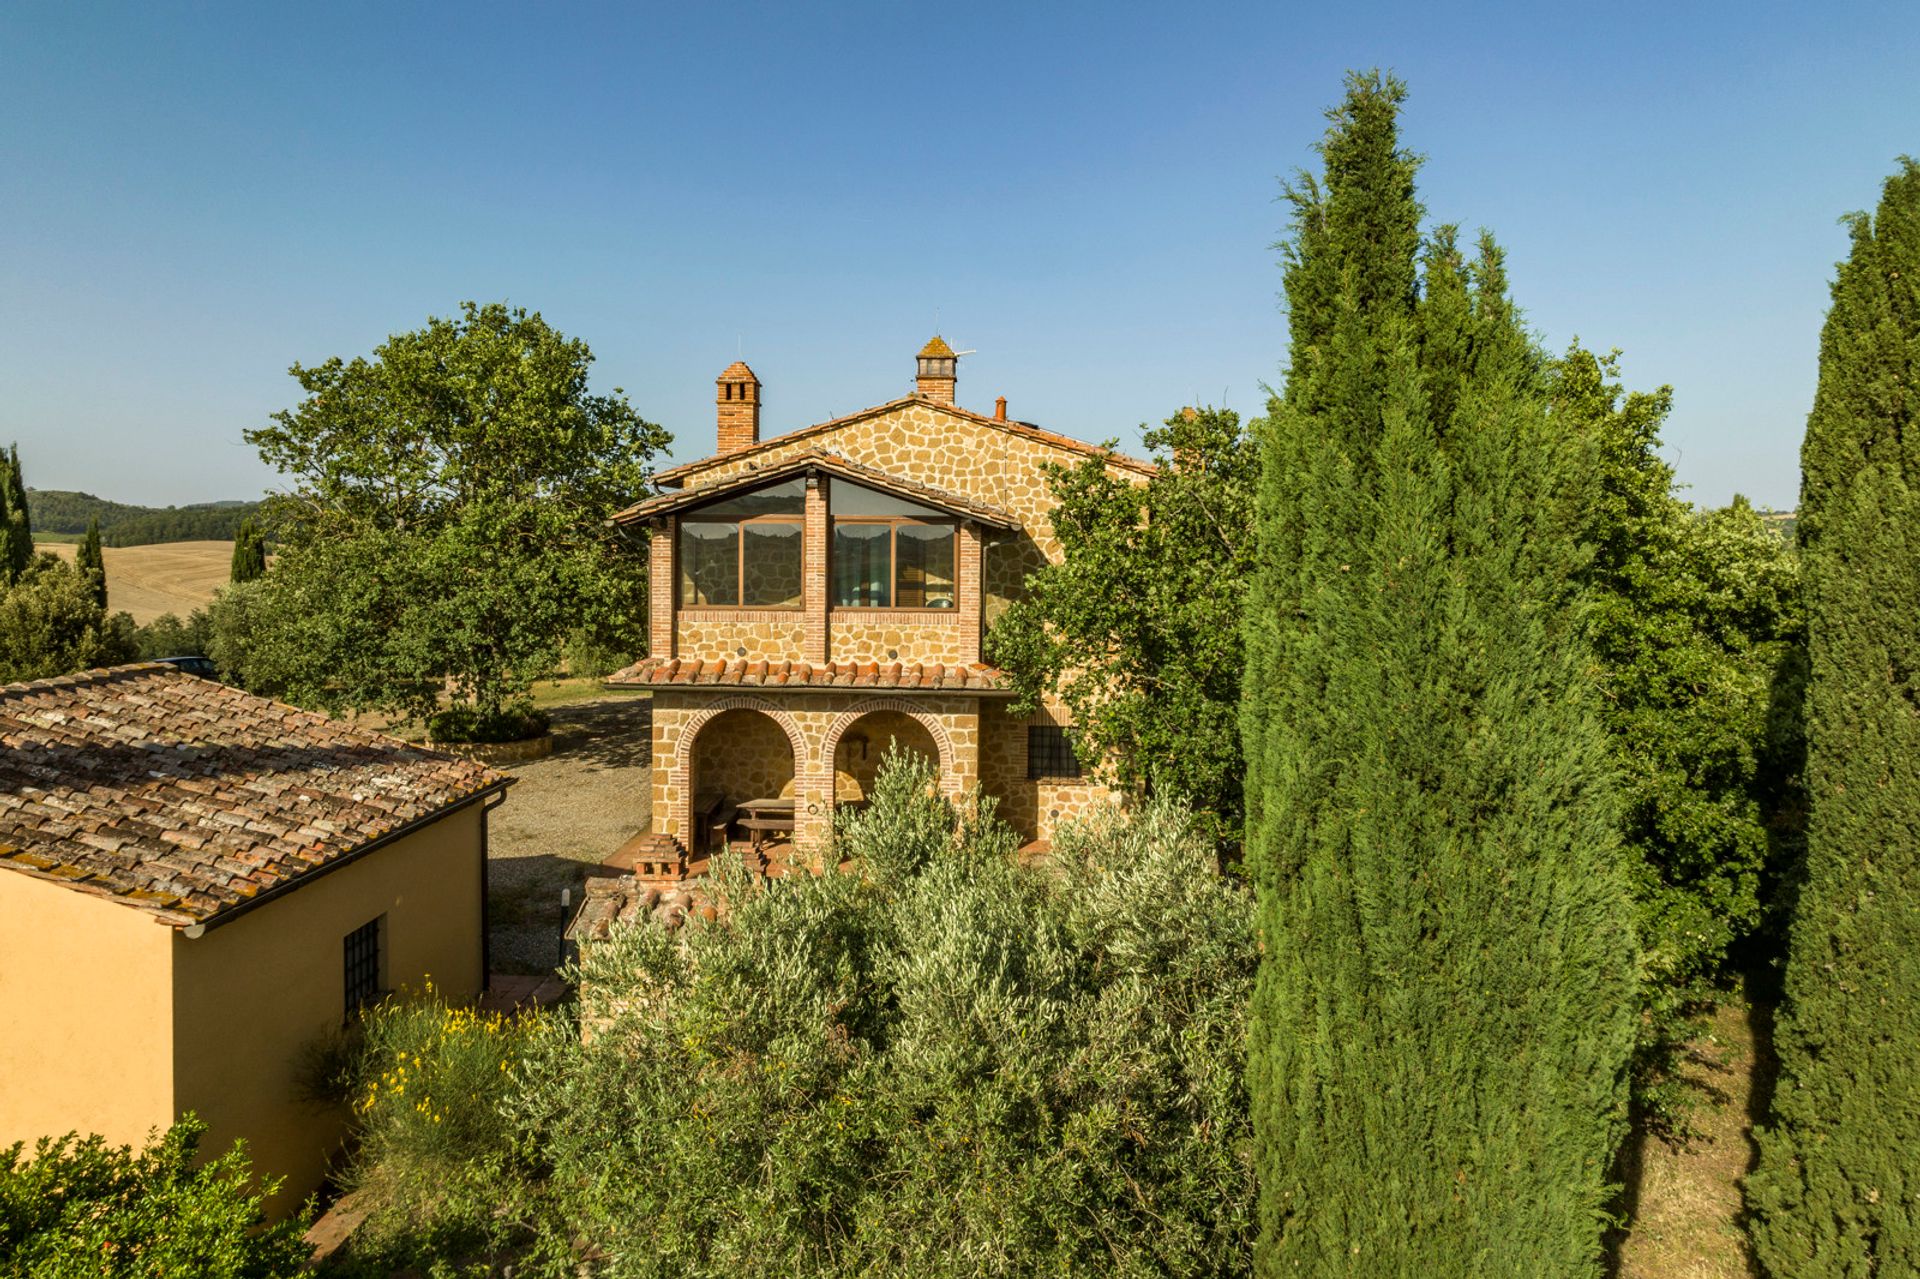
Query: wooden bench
[[712, 818], [758, 828]]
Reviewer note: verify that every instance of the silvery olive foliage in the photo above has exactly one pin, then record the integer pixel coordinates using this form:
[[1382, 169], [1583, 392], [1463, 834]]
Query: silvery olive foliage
[[936, 1062]]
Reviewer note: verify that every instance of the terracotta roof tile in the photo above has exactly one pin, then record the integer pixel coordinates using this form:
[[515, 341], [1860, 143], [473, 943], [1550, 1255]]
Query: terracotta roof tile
[[1026, 430], [184, 797], [652, 672], [833, 464]]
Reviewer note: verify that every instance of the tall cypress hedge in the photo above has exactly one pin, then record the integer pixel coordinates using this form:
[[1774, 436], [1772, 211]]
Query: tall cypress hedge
[[92, 562], [1443, 1016], [1837, 1192]]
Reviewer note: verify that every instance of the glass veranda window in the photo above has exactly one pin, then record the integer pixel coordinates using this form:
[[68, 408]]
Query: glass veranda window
[[889, 552], [862, 565], [709, 564], [923, 565], [770, 562], [744, 550]]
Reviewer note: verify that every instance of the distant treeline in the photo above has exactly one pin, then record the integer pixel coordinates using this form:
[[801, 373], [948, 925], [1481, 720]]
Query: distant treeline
[[61, 511]]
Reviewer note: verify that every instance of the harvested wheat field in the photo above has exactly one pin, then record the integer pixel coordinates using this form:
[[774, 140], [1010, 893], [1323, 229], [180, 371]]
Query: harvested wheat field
[[171, 577]]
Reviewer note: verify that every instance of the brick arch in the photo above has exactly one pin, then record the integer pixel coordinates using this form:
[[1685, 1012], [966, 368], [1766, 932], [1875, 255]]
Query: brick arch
[[690, 741], [942, 743]]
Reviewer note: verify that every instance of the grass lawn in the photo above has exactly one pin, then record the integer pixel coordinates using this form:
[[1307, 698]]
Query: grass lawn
[[1684, 1199], [548, 694]]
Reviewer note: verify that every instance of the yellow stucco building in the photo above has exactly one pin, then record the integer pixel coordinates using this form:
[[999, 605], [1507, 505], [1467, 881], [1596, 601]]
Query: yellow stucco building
[[196, 886]]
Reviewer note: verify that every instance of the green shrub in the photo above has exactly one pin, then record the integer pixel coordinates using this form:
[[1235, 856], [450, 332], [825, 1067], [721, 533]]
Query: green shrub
[[81, 1207], [426, 1088], [1837, 1187], [591, 655], [469, 724], [51, 624], [942, 1064], [168, 636]]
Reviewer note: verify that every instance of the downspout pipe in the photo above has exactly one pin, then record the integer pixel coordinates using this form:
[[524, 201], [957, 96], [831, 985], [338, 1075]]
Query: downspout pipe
[[494, 801]]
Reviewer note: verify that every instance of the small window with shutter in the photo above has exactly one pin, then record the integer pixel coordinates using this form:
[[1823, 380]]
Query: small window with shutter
[[362, 951]]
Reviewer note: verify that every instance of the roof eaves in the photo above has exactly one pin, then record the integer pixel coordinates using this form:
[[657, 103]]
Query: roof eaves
[[832, 463], [677, 474]]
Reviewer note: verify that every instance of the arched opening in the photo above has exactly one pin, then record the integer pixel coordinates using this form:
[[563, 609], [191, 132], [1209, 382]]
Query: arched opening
[[863, 745], [739, 756]]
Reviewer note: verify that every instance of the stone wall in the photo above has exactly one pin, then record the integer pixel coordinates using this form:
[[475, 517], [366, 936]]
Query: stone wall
[[1035, 808], [766, 635], [742, 754], [813, 725], [864, 746], [894, 635], [925, 442]]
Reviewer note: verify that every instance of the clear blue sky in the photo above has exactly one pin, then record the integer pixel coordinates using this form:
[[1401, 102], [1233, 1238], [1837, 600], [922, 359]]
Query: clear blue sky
[[192, 198]]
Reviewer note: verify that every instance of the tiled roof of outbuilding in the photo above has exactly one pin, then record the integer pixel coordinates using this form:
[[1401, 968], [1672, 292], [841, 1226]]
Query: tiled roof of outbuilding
[[188, 798], [905, 677]]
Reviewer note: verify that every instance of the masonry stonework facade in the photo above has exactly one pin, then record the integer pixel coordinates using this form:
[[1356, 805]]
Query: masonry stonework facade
[[801, 702]]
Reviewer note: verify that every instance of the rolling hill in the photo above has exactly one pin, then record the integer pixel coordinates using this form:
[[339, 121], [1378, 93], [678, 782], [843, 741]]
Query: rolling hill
[[64, 511]]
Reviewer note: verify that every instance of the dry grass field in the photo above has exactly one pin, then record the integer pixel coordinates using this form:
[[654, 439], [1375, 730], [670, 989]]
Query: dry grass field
[[172, 577]]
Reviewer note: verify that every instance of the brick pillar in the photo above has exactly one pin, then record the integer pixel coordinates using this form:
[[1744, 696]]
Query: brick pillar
[[669, 778], [963, 728], [813, 576], [661, 588], [813, 795], [970, 592]]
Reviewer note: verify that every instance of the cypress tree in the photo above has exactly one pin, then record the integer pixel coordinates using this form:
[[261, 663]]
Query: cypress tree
[[1837, 1190], [1443, 1016], [249, 553], [19, 519], [7, 574], [92, 562]]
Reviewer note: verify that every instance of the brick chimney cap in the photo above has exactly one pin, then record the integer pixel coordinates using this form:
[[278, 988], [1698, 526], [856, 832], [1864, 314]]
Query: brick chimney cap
[[737, 372], [937, 349]]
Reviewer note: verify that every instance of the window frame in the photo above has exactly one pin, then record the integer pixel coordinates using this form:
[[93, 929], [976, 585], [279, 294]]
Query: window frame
[[1037, 760], [364, 967], [893, 523], [739, 523]]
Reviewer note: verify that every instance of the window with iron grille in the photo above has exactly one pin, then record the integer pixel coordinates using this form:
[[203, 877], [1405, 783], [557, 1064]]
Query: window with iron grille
[[1049, 753], [362, 949]]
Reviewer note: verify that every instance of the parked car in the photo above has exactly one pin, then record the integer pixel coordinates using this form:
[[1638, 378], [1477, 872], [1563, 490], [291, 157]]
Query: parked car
[[201, 666]]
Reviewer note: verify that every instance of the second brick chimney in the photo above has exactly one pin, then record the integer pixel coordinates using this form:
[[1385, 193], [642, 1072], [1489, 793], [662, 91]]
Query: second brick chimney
[[738, 394], [935, 377]]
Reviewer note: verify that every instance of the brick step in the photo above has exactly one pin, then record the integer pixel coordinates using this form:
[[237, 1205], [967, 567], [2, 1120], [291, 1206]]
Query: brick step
[[648, 856]]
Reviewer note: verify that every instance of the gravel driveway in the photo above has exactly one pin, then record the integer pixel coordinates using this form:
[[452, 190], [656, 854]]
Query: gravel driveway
[[564, 816]]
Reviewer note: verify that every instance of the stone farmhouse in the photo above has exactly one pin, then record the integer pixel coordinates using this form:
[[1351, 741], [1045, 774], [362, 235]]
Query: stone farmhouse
[[821, 595], [198, 887]]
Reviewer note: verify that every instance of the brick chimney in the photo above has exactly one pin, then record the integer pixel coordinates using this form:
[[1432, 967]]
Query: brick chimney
[[1184, 457], [935, 377], [999, 408], [738, 394]]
